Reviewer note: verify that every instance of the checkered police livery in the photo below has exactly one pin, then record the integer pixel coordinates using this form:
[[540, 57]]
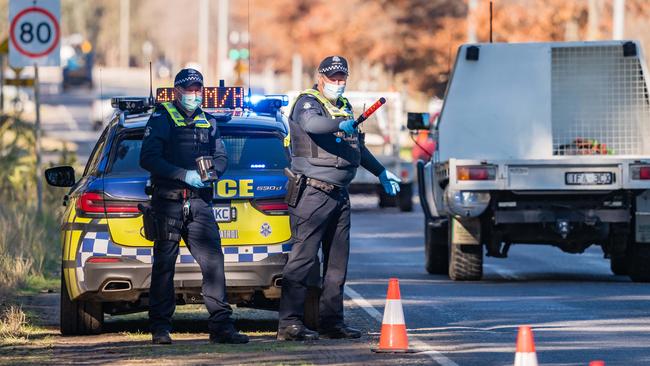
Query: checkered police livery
[[99, 244]]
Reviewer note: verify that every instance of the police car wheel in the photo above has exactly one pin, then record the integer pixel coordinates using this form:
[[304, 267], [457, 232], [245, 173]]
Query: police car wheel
[[405, 197], [638, 259], [312, 301], [79, 317], [435, 246], [618, 265], [465, 261]]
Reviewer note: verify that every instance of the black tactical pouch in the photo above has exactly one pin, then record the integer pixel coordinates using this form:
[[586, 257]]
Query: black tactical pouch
[[295, 186], [159, 228]]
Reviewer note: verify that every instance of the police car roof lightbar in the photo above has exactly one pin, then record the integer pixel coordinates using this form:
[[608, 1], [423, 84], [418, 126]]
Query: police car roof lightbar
[[131, 104], [368, 112]]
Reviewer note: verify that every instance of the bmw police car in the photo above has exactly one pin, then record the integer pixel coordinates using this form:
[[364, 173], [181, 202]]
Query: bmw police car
[[106, 264]]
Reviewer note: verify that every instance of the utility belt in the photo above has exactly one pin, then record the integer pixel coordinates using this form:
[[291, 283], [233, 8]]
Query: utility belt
[[297, 183], [180, 194]]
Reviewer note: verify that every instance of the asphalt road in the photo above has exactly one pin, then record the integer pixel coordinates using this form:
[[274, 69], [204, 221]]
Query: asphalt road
[[579, 311]]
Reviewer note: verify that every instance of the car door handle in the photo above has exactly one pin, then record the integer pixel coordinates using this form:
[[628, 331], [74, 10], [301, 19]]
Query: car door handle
[[65, 200]]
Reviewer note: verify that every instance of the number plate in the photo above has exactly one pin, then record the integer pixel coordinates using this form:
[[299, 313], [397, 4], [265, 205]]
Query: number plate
[[224, 213], [589, 178]]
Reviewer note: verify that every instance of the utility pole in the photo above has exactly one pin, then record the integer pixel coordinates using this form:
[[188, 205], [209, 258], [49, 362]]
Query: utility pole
[[619, 19], [471, 21], [296, 72], [222, 41], [593, 20], [124, 32], [204, 13]]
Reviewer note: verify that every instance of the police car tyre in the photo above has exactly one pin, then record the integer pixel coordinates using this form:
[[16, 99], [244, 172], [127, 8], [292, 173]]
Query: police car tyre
[[405, 197], [465, 261], [638, 259], [436, 253], [618, 265], [312, 301], [78, 317]]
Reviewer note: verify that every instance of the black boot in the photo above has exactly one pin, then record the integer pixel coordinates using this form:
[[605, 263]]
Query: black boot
[[161, 337], [228, 335], [297, 333], [340, 332]]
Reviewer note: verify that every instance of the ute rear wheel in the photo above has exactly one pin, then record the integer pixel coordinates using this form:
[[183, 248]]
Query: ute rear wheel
[[78, 317], [637, 262], [436, 252], [465, 260]]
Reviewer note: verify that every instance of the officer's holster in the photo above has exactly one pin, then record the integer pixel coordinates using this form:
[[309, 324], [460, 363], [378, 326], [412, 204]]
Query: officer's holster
[[295, 186]]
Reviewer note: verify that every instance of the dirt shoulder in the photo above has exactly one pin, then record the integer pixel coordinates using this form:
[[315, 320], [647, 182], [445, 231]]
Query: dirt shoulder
[[126, 341]]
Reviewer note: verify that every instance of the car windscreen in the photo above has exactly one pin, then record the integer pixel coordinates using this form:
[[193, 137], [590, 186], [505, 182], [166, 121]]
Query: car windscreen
[[245, 151]]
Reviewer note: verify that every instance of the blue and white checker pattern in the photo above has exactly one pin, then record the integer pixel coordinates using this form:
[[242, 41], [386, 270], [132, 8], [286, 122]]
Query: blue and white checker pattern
[[99, 244]]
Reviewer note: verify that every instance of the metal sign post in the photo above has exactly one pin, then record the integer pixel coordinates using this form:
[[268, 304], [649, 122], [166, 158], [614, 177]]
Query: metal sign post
[[37, 140]]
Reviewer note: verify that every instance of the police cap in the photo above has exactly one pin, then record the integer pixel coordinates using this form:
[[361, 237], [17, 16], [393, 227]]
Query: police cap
[[187, 77], [332, 65]]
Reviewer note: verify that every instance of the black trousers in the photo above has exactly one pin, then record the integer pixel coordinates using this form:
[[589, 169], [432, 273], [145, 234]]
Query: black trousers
[[318, 218], [201, 235]]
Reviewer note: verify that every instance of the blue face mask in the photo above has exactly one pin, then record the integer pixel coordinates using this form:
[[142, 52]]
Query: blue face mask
[[333, 91], [191, 101]]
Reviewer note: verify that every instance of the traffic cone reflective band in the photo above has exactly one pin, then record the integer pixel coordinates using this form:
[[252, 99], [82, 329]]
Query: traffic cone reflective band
[[525, 355], [393, 329]]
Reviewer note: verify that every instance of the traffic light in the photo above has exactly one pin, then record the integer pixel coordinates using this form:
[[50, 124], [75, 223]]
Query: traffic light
[[235, 54]]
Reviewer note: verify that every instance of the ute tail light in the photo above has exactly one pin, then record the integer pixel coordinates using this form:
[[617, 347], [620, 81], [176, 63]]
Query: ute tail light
[[95, 204], [272, 206], [640, 172], [476, 172]]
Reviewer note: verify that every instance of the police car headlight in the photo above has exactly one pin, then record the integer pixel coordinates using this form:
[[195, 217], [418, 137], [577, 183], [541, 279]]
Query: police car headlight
[[467, 204]]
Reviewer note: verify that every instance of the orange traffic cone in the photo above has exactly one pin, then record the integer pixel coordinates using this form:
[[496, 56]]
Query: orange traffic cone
[[597, 363], [393, 337], [525, 355]]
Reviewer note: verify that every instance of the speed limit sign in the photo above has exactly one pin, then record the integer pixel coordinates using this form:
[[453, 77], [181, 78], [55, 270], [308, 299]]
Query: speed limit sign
[[34, 32]]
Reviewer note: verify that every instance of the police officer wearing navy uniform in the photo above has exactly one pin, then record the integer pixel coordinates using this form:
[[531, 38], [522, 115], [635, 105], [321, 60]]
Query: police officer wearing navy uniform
[[326, 151], [176, 134]]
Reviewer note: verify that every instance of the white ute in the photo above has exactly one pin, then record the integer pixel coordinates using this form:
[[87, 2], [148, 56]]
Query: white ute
[[539, 143]]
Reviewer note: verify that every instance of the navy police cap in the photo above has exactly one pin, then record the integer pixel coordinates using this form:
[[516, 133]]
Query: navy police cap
[[332, 65], [187, 77]]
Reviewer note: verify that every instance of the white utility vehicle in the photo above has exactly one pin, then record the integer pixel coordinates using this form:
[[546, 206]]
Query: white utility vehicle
[[540, 143]]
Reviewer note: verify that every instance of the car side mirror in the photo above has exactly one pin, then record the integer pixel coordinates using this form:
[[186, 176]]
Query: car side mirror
[[60, 176], [418, 121]]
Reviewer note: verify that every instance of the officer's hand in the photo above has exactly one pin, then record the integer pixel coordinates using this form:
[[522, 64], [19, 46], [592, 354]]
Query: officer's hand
[[347, 126], [193, 178], [390, 182]]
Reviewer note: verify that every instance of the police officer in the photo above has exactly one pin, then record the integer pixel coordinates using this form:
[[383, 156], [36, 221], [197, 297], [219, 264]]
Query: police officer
[[176, 134], [326, 151]]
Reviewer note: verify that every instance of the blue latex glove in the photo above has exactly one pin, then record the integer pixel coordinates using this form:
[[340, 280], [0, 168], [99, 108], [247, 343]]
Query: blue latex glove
[[193, 178], [390, 182], [347, 126]]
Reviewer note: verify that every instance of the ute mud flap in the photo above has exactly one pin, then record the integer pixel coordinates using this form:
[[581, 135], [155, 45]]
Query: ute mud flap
[[421, 190]]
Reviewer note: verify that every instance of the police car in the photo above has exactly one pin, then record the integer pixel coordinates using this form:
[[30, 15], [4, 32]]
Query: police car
[[106, 264]]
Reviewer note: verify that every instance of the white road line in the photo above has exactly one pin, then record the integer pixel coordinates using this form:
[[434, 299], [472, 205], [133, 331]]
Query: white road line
[[374, 313]]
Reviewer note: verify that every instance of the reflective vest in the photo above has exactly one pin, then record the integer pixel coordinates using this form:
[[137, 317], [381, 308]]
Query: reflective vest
[[188, 142], [328, 150], [200, 119]]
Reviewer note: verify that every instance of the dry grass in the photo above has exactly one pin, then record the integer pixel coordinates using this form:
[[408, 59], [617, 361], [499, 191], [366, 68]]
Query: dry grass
[[13, 323]]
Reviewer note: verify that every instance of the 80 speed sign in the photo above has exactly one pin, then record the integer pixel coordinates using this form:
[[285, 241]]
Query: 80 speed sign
[[34, 33]]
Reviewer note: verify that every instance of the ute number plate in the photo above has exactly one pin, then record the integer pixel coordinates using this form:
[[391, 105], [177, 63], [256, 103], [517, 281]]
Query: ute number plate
[[589, 178]]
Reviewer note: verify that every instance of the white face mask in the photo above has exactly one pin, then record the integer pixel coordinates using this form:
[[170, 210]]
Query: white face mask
[[332, 91], [191, 101]]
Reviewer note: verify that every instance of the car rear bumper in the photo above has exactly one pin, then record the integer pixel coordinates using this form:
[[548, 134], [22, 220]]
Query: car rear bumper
[[126, 280]]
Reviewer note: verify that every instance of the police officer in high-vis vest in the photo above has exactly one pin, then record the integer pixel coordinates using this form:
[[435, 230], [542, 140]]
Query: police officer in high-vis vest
[[326, 151], [177, 133]]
